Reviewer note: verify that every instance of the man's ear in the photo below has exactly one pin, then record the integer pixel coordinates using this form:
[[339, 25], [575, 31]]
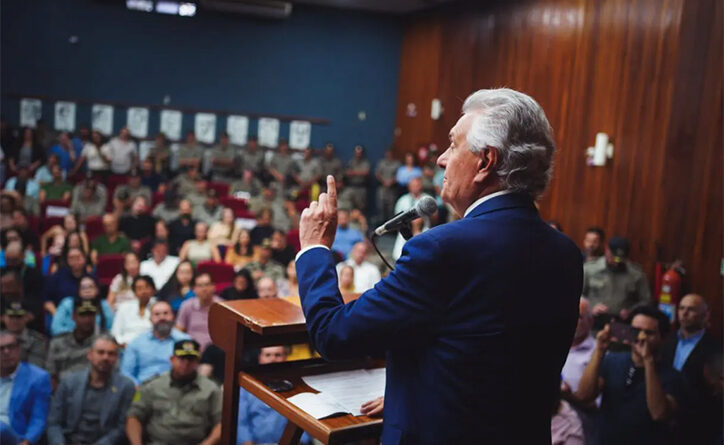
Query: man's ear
[[486, 164]]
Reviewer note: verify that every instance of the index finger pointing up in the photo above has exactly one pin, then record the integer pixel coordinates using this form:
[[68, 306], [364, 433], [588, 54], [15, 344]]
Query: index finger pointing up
[[332, 193]]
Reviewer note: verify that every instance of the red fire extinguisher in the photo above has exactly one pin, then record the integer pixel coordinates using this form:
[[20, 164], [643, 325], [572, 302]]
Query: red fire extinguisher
[[670, 292]]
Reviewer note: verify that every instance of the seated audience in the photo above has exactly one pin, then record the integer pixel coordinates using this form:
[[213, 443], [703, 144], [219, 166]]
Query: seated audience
[[223, 160], [89, 199], [258, 423], [168, 209], [330, 164], [289, 287], [193, 316], [146, 356], [224, 230], [138, 225], [640, 393], [57, 188], [242, 288], [307, 171], [134, 316], [111, 241], [121, 288], [161, 265], [160, 155], [197, 196], [43, 174], [281, 165], [210, 210], [267, 288], [242, 252], [156, 182], [182, 228], [185, 182], [613, 284], [282, 252], [190, 153], [125, 194], [25, 390], [366, 274], [23, 183], [122, 153], [593, 242], [14, 288], [197, 417], [264, 265], [66, 151], [200, 248], [66, 280], [248, 185], [14, 248], [33, 344], [179, 287], [687, 350], [89, 406], [407, 171], [70, 224], [252, 158], [346, 236], [68, 352], [263, 228], [160, 232], [280, 217], [88, 290]]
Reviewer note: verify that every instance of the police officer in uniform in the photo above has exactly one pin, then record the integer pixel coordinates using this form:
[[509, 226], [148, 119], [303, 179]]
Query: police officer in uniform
[[178, 407], [69, 351], [33, 344]]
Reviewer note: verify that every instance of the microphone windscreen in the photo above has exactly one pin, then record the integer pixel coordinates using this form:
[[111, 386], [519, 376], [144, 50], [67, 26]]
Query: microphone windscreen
[[426, 206]]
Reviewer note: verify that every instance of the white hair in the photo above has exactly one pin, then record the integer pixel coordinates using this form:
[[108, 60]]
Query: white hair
[[514, 124]]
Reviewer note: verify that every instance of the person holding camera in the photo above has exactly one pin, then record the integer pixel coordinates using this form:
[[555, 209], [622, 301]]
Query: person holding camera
[[639, 391]]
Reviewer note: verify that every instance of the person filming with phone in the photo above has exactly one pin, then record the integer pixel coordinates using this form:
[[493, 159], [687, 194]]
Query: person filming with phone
[[639, 391]]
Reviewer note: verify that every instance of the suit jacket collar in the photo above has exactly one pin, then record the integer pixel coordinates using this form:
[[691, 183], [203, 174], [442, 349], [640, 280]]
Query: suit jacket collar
[[20, 386], [501, 202], [79, 396]]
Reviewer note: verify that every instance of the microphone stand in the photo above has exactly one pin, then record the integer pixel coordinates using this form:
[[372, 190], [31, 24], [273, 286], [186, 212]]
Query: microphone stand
[[405, 231]]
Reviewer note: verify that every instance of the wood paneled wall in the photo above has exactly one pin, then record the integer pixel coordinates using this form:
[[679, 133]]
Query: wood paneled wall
[[647, 72]]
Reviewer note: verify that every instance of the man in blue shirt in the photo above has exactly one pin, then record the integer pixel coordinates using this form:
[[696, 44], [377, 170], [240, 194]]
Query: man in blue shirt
[[688, 350], [641, 393], [147, 355], [67, 151], [258, 423], [346, 236], [24, 395]]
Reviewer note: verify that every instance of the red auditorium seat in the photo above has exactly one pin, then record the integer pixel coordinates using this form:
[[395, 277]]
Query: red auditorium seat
[[93, 227], [220, 287], [76, 177], [156, 199], [220, 272], [237, 205], [293, 239], [222, 188], [34, 223], [108, 267]]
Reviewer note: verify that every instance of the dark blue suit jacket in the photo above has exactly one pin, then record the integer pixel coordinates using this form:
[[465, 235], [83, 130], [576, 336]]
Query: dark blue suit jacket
[[476, 321]]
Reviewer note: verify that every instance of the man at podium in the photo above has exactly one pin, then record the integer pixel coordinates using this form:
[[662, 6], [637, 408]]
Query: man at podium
[[477, 318]]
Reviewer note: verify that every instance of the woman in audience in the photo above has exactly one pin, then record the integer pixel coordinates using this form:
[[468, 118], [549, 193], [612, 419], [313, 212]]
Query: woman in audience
[[241, 253], [121, 288], [242, 288], [93, 154], [179, 287], [289, 287], [70, 224], [88, 289], [27, 152], [200, 248], [346, 280], [133, 317], [224, 231]]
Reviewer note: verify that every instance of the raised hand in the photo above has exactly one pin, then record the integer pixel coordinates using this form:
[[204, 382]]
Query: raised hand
[[318, 224]]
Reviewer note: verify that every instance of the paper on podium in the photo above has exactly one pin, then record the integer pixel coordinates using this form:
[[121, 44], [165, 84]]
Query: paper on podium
[[341, 392]]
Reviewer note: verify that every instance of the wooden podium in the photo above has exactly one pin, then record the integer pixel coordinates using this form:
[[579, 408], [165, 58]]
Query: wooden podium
[[238, 325]]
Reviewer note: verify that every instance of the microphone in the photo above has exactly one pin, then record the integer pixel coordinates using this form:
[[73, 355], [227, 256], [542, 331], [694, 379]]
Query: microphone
[[424, 207]]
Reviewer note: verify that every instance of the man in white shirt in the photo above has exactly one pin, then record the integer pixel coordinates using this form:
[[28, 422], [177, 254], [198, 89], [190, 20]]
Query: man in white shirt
[[405, 203], [366, 274], [122, 152], [161, 265]]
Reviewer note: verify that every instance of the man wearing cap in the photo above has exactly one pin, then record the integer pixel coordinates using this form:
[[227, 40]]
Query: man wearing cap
[[210, 211], [178, 407], [68, 351], [264, 264], [147, 355], [125, 194], [24, 395], [90, 405], [33, 344], [613, 284]]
